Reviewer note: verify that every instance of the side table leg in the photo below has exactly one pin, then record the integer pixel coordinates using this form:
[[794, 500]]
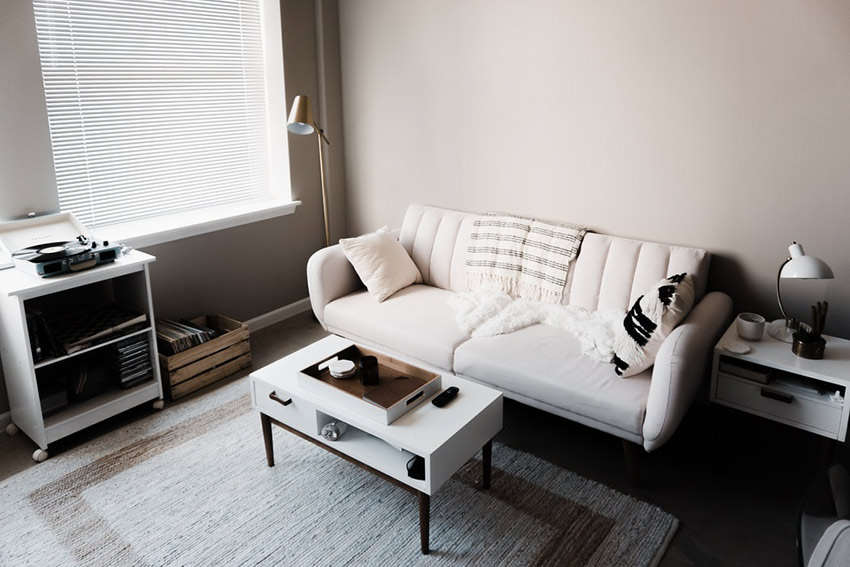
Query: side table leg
[[486, 459], [826, 451], [267, 438], [424, 520]]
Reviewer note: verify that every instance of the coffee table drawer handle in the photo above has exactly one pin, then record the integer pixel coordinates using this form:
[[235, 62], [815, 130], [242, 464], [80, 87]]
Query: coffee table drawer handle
[[273, 396]]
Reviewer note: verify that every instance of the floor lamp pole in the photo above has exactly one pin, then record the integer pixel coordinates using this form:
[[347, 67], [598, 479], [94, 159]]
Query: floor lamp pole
[[321, 138]]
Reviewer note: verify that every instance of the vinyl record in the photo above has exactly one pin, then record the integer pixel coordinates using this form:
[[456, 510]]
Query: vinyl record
[[50, 251]]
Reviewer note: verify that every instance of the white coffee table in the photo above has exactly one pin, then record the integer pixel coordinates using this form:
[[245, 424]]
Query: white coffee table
[[445, 438]]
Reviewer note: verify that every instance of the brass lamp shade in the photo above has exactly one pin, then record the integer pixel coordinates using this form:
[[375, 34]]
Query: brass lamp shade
[[301, 117]]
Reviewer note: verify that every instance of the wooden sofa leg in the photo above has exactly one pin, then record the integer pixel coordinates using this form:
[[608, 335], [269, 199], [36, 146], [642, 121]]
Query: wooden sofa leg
[[631, 451]]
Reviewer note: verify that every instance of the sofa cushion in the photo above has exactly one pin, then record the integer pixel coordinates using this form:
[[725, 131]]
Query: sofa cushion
[[612, 272], [381, 262], [416, 321], [609, 273], [545, 364], [650, 320]]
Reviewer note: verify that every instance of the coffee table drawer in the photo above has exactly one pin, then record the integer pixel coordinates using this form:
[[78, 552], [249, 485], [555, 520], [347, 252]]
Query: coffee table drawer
[[281, 405]]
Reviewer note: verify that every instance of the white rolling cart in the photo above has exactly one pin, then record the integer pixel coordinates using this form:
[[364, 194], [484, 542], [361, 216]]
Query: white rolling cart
[[125, 281]]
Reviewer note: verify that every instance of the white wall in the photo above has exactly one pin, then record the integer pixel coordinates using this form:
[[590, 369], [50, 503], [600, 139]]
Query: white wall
[[722, 124]]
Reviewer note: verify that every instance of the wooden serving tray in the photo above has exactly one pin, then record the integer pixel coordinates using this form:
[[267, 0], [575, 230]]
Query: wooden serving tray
[[401, 385]]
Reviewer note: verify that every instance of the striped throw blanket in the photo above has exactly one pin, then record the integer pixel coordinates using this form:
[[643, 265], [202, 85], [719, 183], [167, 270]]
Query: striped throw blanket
[[524, 257]]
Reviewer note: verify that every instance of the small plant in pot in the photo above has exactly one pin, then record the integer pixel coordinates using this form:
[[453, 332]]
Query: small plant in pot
[[808, 342]]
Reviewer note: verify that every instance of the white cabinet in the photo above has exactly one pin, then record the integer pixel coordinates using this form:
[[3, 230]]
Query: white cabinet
[[772, 382], [124, 282]]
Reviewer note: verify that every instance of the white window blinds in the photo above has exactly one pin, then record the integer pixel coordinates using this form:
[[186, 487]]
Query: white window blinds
[[154, 106]]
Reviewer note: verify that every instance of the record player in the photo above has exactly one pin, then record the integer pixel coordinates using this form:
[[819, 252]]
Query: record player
[[55, 244]]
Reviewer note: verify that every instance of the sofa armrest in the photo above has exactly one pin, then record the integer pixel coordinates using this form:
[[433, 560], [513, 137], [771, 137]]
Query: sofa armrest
[[681, 365], [329, 277]]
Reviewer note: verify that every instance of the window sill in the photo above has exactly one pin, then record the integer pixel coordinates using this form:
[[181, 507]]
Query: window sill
[[158, 230]]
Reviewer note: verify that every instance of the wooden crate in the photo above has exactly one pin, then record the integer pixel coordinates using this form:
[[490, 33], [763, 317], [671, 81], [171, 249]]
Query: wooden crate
[[194, 368]]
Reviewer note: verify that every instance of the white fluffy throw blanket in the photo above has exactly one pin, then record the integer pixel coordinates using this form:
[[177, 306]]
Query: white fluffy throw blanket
[[487, 312]]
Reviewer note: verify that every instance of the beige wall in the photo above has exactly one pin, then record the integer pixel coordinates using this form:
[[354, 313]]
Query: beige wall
[[722, 124]]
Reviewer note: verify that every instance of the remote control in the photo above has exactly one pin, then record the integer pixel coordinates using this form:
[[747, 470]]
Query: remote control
[[448, 395]]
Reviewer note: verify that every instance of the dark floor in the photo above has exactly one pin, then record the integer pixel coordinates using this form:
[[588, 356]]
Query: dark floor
[[732, 479]]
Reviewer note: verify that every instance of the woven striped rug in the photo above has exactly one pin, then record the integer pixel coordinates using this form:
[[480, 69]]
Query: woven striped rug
[[190, 486]]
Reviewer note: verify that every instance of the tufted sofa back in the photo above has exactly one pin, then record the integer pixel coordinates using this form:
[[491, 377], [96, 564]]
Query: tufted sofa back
[[609, 273]]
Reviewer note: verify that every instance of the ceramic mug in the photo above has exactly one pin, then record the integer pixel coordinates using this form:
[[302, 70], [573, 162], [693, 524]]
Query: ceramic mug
[[750, 326]]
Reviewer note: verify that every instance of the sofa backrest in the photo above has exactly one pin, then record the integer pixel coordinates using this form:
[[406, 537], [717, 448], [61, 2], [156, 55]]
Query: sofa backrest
[[610, 272]]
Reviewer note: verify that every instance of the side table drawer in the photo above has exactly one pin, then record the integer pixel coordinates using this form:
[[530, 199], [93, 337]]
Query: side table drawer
[[808, 411], [284, 407]]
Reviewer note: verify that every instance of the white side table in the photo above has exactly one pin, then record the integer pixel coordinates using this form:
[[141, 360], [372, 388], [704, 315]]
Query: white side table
[[772, 382]]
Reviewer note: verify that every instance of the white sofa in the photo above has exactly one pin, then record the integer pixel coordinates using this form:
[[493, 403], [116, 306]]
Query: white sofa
[[541, 366]]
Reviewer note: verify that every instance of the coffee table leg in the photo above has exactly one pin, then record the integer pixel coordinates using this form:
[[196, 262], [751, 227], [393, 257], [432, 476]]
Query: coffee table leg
[[486, 458], [267, 438], [424, 520]]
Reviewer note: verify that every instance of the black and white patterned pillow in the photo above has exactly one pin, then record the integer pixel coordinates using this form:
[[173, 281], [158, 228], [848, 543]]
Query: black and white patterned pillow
[[650, 320]]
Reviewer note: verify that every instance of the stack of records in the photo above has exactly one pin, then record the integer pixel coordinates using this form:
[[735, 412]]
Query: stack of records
[[42, 342], [130, 361], [87, 378], [176, 336], [83, 329], [52, 390]]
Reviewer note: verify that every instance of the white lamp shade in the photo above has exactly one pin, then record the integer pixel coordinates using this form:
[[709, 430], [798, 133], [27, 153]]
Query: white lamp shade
[[801, 266], [301, 117]]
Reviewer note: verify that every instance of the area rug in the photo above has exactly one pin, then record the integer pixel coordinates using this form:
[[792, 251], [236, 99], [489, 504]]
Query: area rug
[[190, 486]]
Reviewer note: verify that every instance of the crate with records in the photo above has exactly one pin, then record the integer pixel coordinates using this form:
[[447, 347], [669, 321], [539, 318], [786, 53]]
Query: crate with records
[[78, 347], [194, 353]]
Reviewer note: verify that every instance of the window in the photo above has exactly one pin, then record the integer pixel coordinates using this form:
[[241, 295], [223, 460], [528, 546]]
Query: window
[[163, 106]]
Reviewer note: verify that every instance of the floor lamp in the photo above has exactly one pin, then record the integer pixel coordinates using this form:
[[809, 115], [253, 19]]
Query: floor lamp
[[301, 122]]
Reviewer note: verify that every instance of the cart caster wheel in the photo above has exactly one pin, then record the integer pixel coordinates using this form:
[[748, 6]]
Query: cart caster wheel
[[12, 429], [39, 456], [158, 404]]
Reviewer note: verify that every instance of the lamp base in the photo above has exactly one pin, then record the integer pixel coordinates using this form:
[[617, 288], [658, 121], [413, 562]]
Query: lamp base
[[780, 331], [813, 350]]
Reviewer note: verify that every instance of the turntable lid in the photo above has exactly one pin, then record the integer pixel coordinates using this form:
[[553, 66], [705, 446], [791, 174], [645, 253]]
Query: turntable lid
[[24, 233]]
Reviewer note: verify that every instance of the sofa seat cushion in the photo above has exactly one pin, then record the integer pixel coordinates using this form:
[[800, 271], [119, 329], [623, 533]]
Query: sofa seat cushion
[[416, 321], [545, 364]]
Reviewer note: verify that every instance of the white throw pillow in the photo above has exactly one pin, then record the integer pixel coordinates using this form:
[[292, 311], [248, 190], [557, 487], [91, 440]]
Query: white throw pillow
[[649, 321], [381, 262]]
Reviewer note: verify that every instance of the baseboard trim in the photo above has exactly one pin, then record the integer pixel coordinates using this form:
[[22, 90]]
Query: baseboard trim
[[278, 315]]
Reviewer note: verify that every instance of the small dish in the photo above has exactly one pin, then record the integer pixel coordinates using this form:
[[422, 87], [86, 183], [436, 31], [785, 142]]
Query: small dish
[[737, 347], [342, 369]]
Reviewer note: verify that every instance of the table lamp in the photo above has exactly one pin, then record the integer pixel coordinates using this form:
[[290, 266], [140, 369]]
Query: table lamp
[[798, 265], [301, 122]]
